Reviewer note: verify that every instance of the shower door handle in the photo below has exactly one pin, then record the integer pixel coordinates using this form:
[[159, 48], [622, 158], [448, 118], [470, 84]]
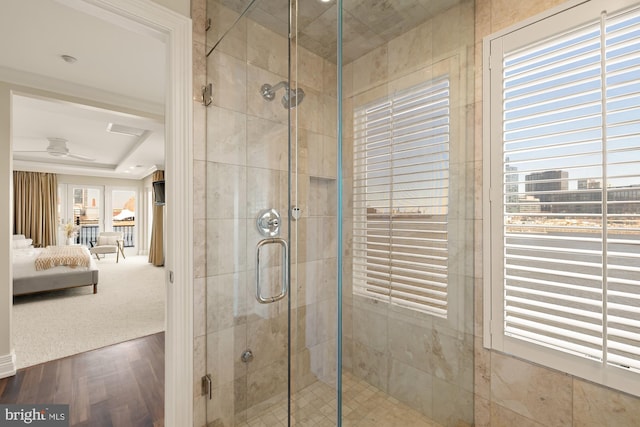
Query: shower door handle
[[285, 270]]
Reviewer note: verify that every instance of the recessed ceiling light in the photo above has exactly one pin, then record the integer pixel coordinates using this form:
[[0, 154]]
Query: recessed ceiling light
[[68, 59]]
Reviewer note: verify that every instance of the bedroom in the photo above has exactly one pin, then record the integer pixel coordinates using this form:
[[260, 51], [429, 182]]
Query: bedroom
[[77, 102]]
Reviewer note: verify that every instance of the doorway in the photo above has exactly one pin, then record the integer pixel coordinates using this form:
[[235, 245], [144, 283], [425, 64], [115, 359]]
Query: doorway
[[175, 31]]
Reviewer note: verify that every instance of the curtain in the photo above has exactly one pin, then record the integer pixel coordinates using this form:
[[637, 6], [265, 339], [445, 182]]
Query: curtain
[[156, 253], [35, 197]]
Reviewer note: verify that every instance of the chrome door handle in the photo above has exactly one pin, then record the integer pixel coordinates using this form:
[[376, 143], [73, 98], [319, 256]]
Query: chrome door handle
[[285, 270]]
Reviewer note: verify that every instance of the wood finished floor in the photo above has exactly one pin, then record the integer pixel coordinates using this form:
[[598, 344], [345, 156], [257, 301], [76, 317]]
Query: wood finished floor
[[119, 385]]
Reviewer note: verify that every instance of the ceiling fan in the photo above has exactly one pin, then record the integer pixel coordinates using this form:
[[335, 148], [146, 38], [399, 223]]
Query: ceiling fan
[[58, 148]]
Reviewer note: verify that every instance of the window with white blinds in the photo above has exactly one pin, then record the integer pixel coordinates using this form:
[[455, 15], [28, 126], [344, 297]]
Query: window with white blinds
[[401, 193], [570, 190]]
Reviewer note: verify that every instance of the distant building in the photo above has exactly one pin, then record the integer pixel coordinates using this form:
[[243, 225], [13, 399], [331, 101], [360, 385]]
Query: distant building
[[545, 186], [528, 204], [546, 181], [551, 189], [589, 184], [511, 179]]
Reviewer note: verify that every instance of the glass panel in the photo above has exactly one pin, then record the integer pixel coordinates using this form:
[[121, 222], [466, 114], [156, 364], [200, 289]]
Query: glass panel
[[123, 203], [223, 30], [84, 209], [416, 367], [247, 172], [314, 235]]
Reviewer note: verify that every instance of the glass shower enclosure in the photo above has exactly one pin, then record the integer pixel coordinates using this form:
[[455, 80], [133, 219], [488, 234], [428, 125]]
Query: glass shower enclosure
[[339, 168]]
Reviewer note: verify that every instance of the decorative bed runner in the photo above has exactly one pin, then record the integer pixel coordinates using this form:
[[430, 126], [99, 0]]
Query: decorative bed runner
[[70, 256]]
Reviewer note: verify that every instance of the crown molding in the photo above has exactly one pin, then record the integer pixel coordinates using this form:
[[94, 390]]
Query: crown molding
[[38, 81]]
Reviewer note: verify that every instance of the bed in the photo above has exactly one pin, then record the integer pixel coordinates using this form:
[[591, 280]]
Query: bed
[[27, 279]]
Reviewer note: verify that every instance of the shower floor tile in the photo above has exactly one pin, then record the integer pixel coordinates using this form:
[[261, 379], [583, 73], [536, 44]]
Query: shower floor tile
[[363, 406]]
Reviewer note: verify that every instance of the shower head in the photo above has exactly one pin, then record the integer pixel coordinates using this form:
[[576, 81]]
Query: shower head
[[291, 98]]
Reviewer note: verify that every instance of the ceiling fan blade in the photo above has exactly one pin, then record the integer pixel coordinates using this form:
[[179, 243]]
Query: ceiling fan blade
[[81, 157], [30, 151]]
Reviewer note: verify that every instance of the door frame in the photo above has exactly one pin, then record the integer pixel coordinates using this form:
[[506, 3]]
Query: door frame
[[176, 31]]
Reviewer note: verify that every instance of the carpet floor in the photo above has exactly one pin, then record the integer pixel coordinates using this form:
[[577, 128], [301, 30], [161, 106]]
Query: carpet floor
[[130, 303]]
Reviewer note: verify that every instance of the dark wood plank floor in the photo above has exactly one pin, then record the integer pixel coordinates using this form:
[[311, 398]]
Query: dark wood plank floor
[[119, 385]]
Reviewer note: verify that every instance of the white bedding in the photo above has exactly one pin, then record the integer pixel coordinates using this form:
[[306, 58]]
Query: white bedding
[[24, 264]]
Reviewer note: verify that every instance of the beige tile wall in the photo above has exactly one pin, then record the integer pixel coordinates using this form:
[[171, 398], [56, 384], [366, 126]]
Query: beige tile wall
[[423, 361], [511, 392]]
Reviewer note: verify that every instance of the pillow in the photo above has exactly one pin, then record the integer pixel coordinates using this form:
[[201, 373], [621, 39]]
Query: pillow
[[107, 240], [22, 243], [18, 236]]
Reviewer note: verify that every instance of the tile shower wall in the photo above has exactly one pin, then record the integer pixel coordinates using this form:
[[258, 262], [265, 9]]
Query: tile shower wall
[[241, 168], [510, 392], [423, 361]]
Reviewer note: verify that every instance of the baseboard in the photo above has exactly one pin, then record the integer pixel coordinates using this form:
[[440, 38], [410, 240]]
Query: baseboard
[[7, 365]]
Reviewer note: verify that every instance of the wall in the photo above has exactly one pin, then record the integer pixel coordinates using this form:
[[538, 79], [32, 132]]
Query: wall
[[180, 6], [511, 392], [6, 230], [419, 359]]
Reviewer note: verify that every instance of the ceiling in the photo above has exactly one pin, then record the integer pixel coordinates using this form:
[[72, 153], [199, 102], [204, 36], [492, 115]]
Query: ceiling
[[367, 24], [119, 75]]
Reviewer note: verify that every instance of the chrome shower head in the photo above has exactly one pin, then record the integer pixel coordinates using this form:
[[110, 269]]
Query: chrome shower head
[[291, 98]]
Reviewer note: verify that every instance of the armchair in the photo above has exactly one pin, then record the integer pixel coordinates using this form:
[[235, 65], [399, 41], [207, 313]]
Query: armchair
[[108, 242]]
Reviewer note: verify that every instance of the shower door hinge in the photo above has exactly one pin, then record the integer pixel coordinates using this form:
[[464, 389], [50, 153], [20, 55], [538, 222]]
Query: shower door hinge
[[207, 386], [207, 24], [207, 93]]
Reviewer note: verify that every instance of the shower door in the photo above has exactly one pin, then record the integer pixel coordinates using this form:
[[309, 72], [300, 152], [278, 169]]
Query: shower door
[[269, 283], [250, 283]]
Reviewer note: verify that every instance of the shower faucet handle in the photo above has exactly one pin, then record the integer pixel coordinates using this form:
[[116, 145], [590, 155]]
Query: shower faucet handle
[[268, 223]]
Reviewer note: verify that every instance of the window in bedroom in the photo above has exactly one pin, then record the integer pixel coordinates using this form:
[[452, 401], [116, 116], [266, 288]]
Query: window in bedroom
[[563, 236], [83, 206], [401, 197], [123, 212]]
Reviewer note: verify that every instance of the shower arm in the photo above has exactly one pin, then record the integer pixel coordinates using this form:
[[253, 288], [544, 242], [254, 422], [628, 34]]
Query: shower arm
[[277, 86], [269, 92]]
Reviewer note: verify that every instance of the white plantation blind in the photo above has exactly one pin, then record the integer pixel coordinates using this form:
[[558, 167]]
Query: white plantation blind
[[570, 180], [622, 279], [401, 191]]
